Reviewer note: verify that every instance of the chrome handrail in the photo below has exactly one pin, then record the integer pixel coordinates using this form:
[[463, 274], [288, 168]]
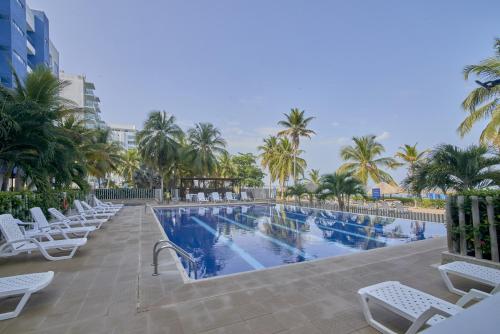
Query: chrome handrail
[[169, 244]]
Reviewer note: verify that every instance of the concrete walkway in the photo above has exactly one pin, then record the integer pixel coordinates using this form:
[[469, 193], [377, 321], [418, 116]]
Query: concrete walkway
[[108, 288]]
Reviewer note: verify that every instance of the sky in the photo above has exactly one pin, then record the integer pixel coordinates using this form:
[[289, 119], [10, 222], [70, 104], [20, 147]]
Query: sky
[[388, 68]]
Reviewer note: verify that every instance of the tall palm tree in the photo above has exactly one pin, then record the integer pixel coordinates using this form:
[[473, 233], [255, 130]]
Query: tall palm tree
[[341, 186], [206, 145], [130, 164], [314, 177], [364, 161], [410, 155], [284, 162], [484, 102], [296, 126], [158, 142], [267, 157]]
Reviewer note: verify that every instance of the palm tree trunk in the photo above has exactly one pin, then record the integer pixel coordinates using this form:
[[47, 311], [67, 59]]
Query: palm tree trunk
[[161, 188], [295, 167], [270, 184]]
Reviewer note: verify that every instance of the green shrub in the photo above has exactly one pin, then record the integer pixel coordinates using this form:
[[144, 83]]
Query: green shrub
[[19, 203]]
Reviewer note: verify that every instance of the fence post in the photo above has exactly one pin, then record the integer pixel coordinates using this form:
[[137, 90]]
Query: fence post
[[449, 226], [461, 225], [493, 229], [476, 221]]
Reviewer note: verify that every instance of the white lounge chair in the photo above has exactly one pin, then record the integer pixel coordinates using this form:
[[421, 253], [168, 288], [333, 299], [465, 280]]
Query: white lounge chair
[[416, 306], [56, 228], [24, 285], [76, 220], [215, 197], [17, 243], [100, 203], [93, 209], [229, 196], [244, 196], [89, 213], [473, 272], [201, 197]]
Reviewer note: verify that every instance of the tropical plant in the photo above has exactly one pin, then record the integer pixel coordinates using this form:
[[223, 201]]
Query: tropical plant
[[409, 155], [206, 144], [462, 169], [225, 166], [296, 126], [298, 191], [129, 165], [285, 160], [246, 169], [483, 102], [158, 143], [364, 161], [314, 177], [267, 157], [340, 186]]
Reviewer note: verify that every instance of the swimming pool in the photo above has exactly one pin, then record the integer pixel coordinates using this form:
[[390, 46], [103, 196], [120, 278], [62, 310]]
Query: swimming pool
[[232, 239]]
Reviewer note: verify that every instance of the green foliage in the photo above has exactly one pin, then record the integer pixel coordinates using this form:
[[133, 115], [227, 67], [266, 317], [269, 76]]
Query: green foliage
[[341, 186], [206, 144], [19, 203], [246, 169]]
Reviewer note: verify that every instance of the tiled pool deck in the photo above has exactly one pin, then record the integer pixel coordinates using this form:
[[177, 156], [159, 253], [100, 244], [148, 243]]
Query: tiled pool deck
[[108, 288]]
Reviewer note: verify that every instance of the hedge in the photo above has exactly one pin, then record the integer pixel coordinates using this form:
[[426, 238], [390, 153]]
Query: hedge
[[19, 203]]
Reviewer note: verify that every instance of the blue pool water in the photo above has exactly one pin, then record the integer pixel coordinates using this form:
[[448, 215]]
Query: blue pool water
[[231, 239]]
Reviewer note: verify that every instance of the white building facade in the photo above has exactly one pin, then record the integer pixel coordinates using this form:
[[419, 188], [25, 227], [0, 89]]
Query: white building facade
[[124, 134]]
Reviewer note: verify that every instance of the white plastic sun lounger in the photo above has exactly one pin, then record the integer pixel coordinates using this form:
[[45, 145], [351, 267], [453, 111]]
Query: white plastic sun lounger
[[201, 197], [414, 305], [106, 211], [229, 196], [90, 213], [215, 197], [100, 203], [17, 243], [57, 228], [473, 272], [76, 220], [244, 196], [24, 285]]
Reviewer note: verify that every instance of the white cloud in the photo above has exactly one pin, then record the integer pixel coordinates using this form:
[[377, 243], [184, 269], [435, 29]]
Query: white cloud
[[383, 136]]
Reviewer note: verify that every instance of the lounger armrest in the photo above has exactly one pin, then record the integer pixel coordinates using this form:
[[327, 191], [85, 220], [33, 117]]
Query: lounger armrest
[[58, 228], [21, 223], [59, 224], [10, 243], [425, 316], [473, 294]]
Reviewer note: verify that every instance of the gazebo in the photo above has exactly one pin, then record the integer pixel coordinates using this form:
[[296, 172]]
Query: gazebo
[[207, 185]]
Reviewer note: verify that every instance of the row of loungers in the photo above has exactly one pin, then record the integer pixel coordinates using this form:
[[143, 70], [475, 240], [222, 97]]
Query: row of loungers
[[65, 233], [215, 197]]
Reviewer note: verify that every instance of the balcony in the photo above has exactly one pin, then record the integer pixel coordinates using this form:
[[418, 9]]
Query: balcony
[[30, 48]]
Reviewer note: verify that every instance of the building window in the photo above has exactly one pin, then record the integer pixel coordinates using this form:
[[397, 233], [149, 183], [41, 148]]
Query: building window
[[18, 28]]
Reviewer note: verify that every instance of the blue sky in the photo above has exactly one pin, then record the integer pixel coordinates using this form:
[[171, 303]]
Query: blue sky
[[389, 68]]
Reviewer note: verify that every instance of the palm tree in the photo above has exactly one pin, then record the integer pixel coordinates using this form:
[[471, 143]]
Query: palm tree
[[296, 126], [314, 177], [462, 169], [364, 161], [226, 167], [297, 190], [267, 157], [158, 143], [285, 161], [410, 155], [341, 186], [129, 165], [206, 144], [484, 102]]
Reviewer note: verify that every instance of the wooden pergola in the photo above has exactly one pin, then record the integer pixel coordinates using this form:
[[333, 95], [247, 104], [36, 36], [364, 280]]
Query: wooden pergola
[[207, 185]]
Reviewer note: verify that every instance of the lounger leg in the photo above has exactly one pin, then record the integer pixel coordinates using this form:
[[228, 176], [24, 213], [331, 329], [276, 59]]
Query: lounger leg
[[449, 284], [19, 308], [424, 317], [369, 318], [57, 258]]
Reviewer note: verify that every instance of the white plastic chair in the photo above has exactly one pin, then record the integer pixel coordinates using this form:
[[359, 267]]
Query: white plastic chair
[[229, 196], [76, 220], [414, 305], [99, 211], [215, 197], [244, 196], [100, 203], [201, 197], [56, 228], [90, 213], [17, 243], [24, 285], [473, 272]]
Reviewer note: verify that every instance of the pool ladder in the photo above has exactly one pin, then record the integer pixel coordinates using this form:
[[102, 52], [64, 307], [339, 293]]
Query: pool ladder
[[167, 244]]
